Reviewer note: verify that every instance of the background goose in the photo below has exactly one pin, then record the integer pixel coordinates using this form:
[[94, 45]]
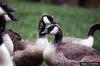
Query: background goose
[[33, 52], [59, 49]]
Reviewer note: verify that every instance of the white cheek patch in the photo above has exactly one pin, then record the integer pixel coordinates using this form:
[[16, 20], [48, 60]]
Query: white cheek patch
[[46, 20], [7, 18], [54, 31], [2, 11]]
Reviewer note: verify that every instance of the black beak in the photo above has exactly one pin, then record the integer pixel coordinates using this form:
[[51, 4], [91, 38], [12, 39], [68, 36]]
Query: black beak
[[13, 18]]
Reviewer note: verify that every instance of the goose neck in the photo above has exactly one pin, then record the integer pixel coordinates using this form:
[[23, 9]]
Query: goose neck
[[1, 39], [58, 37], [92, 29], [2, 24], [41, 28]]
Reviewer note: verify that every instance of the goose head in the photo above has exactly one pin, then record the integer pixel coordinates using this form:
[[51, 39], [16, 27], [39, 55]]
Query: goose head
[[45, 19], [4, 8], [5, 18], [54, 29], [10, 17]]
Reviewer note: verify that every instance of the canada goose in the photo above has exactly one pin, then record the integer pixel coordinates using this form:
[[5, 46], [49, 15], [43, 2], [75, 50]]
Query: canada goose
[[8, 42], [59, 49], [32, 54], [6, 11], [5, 58]]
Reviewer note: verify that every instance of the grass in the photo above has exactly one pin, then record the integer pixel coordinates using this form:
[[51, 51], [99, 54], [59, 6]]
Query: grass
[[74, 21]]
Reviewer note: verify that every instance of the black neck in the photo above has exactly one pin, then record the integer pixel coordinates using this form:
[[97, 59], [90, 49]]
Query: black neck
[[2, 28], [93, 29], [2, 24], [41, 28], [58, 37], [1, 39]]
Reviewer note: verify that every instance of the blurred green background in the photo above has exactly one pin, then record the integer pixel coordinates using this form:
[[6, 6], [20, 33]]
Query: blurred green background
[[74, 20]]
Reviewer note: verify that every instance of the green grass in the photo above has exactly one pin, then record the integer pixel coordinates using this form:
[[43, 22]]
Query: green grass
[[74, 21]]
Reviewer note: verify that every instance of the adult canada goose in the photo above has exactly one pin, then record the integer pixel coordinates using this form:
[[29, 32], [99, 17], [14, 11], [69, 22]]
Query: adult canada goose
[[9, 43], [62, 53], [5, 59], [32, 55], [5, 10]]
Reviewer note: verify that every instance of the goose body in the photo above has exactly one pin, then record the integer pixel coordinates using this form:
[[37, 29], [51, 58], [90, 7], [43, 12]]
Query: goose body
[[9, 44], [61, 49], [85, 42], [53, 57], [91, 58], [5, 59], [32, 52]]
